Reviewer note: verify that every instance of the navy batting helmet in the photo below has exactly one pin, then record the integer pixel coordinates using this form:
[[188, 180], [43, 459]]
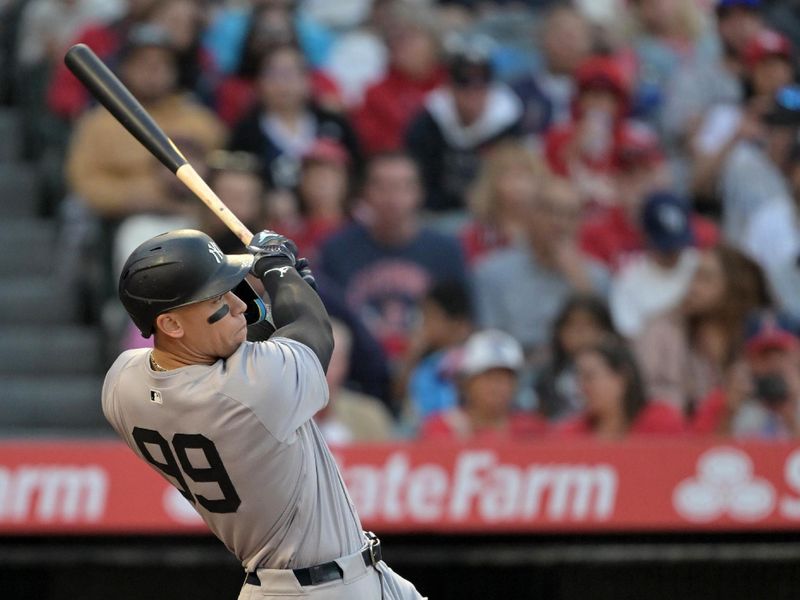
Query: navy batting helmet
[[183, 267]]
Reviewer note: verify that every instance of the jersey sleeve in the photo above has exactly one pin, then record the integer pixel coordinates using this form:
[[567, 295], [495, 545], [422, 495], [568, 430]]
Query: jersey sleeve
[[281, 381]]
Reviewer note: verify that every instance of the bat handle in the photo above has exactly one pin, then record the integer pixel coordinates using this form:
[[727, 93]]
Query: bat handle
[[194, 182]]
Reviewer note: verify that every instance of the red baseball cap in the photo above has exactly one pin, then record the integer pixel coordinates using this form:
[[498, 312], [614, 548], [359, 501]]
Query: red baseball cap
[[602, 72], [767, 43]]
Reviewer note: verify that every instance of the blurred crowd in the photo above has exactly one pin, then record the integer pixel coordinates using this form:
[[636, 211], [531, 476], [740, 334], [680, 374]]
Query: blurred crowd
[[527, 218]]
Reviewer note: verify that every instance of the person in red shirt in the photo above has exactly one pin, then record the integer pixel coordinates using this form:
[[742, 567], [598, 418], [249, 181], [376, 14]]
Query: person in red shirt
[[66, 96], [487, 374], [615, 235], [584, 148], [616, 405], [414, 71]]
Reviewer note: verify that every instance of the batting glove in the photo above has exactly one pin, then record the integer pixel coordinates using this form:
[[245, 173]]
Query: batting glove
[[267, 246], [304, 268]]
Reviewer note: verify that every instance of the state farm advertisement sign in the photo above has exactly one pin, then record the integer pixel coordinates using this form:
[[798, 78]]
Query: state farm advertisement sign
[[638, 485]]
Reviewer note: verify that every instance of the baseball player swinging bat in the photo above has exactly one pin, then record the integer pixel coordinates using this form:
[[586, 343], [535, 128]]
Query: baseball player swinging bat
[[111, 93]]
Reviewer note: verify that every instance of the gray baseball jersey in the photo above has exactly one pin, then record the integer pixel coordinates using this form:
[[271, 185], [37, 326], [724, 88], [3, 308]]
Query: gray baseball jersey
[[238, 441]]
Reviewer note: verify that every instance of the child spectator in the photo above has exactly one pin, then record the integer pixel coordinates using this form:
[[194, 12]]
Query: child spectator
[[761, 397], [522, 288], [685, 353], [583, 321], [285, 123], [425, 377], [487, 375], [350, 416], [615, 397], [509, 176], [459, 122], [414, 71]]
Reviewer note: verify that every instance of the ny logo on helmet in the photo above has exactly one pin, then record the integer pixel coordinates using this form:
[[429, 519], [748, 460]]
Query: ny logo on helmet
[[214, 251]]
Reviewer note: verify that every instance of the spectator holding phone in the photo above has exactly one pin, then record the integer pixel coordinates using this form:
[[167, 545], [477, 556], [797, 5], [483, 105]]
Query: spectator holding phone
[[761, 397]]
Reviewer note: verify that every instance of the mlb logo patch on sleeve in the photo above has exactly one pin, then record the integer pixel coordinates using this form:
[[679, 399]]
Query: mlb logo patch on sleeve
[[155, 396]]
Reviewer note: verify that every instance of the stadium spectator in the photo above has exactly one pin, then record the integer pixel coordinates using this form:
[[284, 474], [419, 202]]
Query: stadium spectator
[[565, 40], [285, 123], [322, 195], [236, 178], [425, 377], [752, 175], [66, 96], [664, 36], [685, 353], [109, 169], [227, 32], [185, 22], [48, 27], [510, 174], [738, 21], [658, 279], [584, 149], [237, 93], [761, 396], [768, 67], [487, 375], [414, 71], [350, 416], [617, 404], [583, 321], [459, 122], [521, 289], [614, 235], [386, 263]]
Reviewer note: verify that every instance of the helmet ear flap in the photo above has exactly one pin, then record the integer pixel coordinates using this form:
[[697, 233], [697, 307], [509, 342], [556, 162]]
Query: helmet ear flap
[[256, 310]]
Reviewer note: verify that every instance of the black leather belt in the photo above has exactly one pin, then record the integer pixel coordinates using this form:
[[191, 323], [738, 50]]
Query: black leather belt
[[330, 571]]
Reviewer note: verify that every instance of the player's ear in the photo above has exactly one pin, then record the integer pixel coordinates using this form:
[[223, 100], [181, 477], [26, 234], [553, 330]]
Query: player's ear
[[169, 325]]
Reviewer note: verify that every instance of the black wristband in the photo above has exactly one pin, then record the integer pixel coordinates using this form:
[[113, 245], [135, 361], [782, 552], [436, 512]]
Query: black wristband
[[271, 264]]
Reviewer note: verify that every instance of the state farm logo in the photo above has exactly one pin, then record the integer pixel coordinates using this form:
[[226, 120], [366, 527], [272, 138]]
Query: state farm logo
[[724, 485], [53, 494], [480, 487]]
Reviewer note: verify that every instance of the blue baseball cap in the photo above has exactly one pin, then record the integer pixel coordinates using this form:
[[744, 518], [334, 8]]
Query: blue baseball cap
[[666, 222]]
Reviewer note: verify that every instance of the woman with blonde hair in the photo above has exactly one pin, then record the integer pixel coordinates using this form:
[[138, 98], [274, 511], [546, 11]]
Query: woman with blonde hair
[[665, 35], [509, 177]]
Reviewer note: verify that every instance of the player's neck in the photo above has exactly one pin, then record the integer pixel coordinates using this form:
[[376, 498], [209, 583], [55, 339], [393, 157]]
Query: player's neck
[[169, 359]]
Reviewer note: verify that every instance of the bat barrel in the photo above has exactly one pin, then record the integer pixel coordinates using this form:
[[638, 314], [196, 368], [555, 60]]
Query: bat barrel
[[111, 93]]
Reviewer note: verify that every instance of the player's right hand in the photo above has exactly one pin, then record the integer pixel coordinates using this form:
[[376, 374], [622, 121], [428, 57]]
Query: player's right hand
[[266, 246], [304, 268]]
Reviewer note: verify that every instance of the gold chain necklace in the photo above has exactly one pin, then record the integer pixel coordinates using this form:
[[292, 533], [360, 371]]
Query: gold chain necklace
[[155, 365]]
